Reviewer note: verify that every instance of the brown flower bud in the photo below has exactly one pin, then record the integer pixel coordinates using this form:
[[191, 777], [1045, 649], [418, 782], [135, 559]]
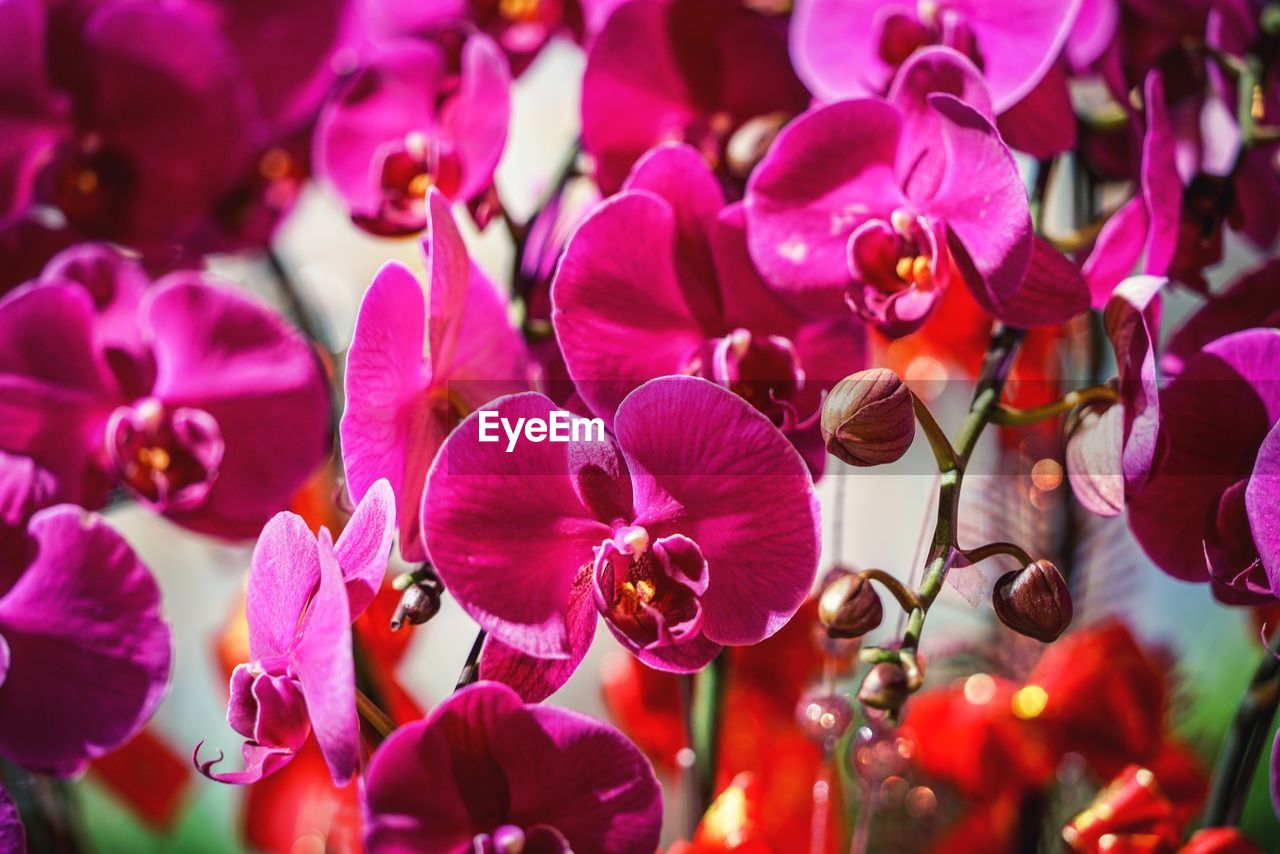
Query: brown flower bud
[[419, 599], [885, 687], [868, 418], [849, 607], [1034, 601]]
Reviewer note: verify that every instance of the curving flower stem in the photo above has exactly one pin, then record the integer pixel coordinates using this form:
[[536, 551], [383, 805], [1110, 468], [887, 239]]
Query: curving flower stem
[[1238, 759], [374, 716], [1008, 416], [706, 710], [981, 553], [471, 669], [944, 548]]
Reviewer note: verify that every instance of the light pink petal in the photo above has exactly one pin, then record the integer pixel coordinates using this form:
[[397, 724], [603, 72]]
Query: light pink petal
[[1092, 32], [1262, 498], [535, 679], [323, 663], [283, 574], [827, 171], [1132, 320], [83, 621], [1093, 460], [703, 479], [489, 358], [619, 312], [1019, 41], [477, 118], [218, 350], [389, 428], [983, 202], [834, 50], [507, 532], [364, 546]]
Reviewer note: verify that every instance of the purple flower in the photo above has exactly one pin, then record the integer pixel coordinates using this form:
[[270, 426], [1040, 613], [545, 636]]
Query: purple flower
[[84, 651], [413, 117], [305, 591], [696, 71], [420, 362], [658, 281], [884, 201], [520, 27], [1113, 448], [200, 401], [660, 530], [1193, 517], [1145, 227], [486, 773], [844, 48], [13, 838], [1251, 301]]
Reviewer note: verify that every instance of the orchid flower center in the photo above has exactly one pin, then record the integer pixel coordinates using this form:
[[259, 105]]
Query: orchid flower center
[[648, 590], [905, 253], [168, 457], [763, 370], [267, 706], [92, 186], [408, 169], [902, 34]]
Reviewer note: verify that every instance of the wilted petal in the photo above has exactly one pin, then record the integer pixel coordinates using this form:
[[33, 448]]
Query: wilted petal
[[704, 483], [83, 620], [1132, 321]]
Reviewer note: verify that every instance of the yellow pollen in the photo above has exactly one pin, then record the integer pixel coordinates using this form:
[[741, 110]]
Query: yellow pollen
[[87, 181], [914, 270], [154, 458], [420, 184], [519, 10]]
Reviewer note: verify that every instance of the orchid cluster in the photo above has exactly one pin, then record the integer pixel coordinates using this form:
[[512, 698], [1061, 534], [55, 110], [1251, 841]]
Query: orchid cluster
[[779, 226]]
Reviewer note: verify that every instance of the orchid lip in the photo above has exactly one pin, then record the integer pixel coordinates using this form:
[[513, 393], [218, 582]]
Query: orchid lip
[[169, 457], [648, 589]]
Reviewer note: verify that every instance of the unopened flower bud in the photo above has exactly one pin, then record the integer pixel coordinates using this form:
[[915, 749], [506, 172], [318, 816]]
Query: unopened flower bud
[[1034, 601], [420, 599], [868, 418], [849, 607], [885, 687]]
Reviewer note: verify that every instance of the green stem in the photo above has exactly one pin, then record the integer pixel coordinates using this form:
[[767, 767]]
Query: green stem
[[708, 702], [981, 553], [938, 441], [1242, 749], [1008, 416]]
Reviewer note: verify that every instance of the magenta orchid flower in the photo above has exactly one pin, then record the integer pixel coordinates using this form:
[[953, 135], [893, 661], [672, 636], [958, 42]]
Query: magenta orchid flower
[[882, 202], [79, 617], [420, 362], [657, 281], [1144, 229], [305, 591], [160, 124], [200, 401], [844, 48], [411, 118], [660, 530], [486, 773], [1195, 517], [696, 71], [520, 27], [1113, 449]]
